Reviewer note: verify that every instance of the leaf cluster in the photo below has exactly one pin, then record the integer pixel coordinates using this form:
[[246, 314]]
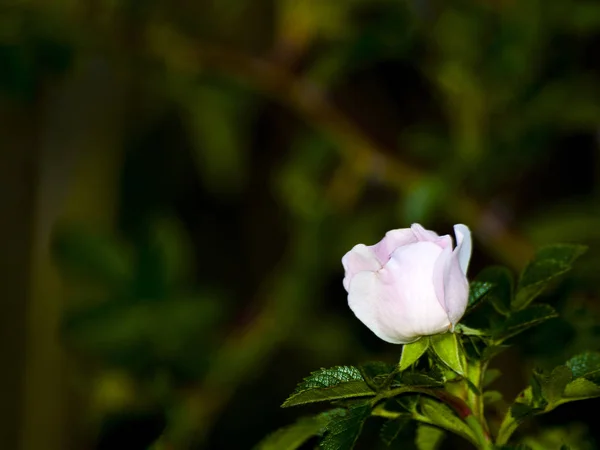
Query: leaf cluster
[[440, 381]]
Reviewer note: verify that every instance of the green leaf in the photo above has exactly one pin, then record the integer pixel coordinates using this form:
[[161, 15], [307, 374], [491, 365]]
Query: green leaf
[[549, 390], [408, 402], [501, 291], [293, 436], [343, 429], [586, 365], [580, 389], [491, 397], [537, 399], [513, 447], [428, 437], [554, 385], [521, 411], [374, 369], [468, 331], [477, 291], [91, 256], [375, 373], [337, 383], [520, 321], [412, 352], [493, 350], [549, 263], [449, 350], [391, 429], [422, 379], [490, 376], [528, 403], [443, 417]]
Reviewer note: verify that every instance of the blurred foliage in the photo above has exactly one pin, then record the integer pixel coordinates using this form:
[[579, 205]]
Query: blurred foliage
[[263, 139]]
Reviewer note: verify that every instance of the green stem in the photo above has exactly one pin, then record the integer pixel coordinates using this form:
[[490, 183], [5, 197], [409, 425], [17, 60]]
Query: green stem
[[470, 411], [380, 411], [476, 372], [510, 424], [456, 403], [482, 436], [507, 428]]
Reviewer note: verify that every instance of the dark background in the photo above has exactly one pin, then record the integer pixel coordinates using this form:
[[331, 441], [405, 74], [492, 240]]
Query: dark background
[[181, 179]]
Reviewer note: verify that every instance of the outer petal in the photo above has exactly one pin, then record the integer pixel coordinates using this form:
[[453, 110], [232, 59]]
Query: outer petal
[[463, 246], [439, 272], [451, 285], [370, 299], [422, 234], [361, 258], [393, 240], [399, 303], [456, 290]]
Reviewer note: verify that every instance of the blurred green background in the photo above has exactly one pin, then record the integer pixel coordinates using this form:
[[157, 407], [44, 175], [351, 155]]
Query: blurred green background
[[181, 179]]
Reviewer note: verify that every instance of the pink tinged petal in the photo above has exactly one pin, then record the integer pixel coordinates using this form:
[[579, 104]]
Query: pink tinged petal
[[422, 234], [399, 303], [360, 259], [411, 268], [463, 246], [444, 241], [369, 300], [392, 240]]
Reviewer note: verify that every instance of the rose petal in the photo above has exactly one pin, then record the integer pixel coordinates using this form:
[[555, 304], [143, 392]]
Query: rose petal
[[369, 300], [399, 303], [360, 258], [450, 283], [463, 246], [392, 240], [439, 275], [422, 234], [444, 241], [456, 290], [410, 271]]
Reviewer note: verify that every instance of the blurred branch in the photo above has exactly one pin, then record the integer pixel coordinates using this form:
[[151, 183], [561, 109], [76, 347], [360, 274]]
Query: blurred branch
[[360, 153]]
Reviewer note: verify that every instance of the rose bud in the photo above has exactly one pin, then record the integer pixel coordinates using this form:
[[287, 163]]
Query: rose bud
[[410, 284]]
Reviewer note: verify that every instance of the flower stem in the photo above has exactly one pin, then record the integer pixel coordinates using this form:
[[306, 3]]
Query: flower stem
[[485, 442], [477, 421], [507, 428]]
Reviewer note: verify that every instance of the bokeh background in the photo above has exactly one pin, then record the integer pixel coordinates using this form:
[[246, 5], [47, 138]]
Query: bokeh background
[[180, 180]]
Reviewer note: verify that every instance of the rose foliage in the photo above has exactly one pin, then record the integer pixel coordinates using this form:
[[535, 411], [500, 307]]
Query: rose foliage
[[411, 288]]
